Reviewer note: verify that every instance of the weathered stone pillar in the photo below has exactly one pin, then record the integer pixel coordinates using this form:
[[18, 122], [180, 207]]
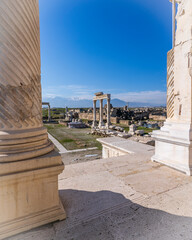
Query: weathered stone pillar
[[101, 124], [49, 113], [174, 140], [173, 21], [29, 167], [94, 114], [108, 112]]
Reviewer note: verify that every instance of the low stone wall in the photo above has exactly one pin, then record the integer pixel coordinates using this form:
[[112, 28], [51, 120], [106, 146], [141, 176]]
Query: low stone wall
[[114, 120], [64, 123], [157, 117], [124, 122], [116, 146], [108, 152], [89, 116]]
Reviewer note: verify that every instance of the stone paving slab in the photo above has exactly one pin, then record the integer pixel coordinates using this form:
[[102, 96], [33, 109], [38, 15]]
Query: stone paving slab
[[126, 145], [123, 198], [58, 145]]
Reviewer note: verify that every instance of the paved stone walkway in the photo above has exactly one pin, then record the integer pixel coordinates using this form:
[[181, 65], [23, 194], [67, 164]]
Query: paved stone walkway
[[123, 198], [58, 145]]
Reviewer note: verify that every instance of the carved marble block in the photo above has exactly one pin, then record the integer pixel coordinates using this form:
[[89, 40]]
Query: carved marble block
[[174, 140]]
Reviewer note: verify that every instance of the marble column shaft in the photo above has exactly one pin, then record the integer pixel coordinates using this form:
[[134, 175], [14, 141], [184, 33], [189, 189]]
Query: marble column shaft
[[29, 166], [101, 113], [173, 21], [49, 113], [108, 112], [22, 134], [94, 113]]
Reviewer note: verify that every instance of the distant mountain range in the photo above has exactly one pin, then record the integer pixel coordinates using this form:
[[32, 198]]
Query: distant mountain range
[[86, 103]]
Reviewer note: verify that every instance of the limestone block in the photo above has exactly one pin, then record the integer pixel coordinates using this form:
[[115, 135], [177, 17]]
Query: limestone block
[[174, 140], [124, 135], [184, 19], [139, 132], [98, 93], [132, 129], [29, 194]]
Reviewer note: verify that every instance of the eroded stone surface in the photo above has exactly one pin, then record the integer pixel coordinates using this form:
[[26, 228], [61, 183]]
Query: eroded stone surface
[[173, 141], [123, 198], [29, 167], [20, 83]]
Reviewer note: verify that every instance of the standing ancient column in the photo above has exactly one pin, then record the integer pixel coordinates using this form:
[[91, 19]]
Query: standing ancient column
[[22, 134], [174, 140], [29, 167], [173, 21], [49, 113], [108, 111], [101, 124], [94, 114]]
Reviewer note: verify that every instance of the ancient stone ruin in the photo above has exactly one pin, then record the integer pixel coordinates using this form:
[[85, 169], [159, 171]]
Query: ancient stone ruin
[[173, 141], [29, 166], [100, 96], [49, 110]]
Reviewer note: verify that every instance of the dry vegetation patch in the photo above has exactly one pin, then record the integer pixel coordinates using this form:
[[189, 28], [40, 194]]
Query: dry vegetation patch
[[73, 139]]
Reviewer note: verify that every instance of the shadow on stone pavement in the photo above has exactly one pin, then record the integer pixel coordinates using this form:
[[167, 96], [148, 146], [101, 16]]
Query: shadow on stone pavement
[[106, 215]]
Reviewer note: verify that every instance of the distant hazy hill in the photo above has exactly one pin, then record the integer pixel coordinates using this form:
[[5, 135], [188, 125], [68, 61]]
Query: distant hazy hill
[[85, 103]]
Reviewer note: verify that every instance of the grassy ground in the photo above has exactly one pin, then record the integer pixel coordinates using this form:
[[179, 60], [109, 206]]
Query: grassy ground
[[126, 128], [146, 130], [73, 139]]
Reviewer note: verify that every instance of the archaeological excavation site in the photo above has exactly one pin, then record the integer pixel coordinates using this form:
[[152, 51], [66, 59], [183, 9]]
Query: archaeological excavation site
[[93, 146]]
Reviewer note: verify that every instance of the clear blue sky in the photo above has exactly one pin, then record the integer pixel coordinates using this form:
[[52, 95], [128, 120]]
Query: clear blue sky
[[115, 46]]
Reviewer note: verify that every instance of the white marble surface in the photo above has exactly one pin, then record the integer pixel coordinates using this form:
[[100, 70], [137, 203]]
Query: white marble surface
[[174, 140], [116, 146]]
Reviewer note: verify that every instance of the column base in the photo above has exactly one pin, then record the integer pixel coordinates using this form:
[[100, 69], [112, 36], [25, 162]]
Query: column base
[[101, 125], [173, 147], [94, 125], [29, 194], [26, 223], [17, 145], [107, 125], [168, 162]]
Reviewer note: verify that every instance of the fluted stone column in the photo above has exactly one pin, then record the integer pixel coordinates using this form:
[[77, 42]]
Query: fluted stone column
[[173, 21], [22, 134], [173, 145], [29, 167], [108, 112], [94, 114], [101, 124], [49, 113]]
